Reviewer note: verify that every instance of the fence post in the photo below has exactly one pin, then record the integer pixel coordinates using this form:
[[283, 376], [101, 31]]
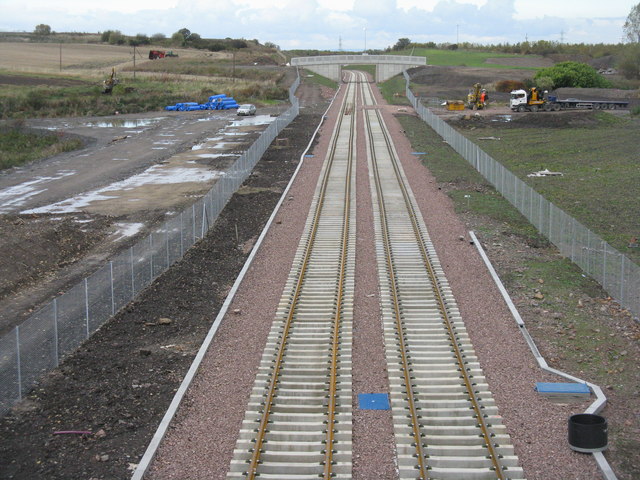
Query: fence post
[[204, 218], [181, 236], [113, 298], [193, 217], [133, 277], [622, 295], [86, 304], [166, 237], [604, 264], [55, 329], [18, 362], [151, 255]]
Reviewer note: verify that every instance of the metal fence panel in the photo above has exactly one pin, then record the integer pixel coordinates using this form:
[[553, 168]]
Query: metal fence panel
[[10, 387], [70, 317], [38, 347], [122, 279]]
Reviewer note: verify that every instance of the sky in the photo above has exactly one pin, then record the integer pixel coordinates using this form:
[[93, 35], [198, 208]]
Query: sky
[[350, 25]]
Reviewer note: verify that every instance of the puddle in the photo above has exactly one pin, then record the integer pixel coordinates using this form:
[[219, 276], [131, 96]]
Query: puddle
[[256, 120], [125, 230], [225, 145], [230, 134], [200, 146], [18, 195], [502, 118], [144, 122], [155, 175]]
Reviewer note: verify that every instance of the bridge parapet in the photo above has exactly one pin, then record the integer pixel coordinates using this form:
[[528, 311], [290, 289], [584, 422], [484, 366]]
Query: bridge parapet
[[330, 66]]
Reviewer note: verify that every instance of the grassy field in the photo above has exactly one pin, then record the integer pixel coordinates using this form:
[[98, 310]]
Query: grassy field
[[18, 147], [599, 162], [41, 91], [313, 77], [463, 58], [393, 90]]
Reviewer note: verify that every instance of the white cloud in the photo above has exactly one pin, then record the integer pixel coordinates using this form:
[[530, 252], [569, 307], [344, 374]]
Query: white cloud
[[320, 23]]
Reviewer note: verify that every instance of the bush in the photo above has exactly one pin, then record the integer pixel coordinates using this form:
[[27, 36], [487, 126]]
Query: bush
[[629, 62], [507, 86], [573, 74]]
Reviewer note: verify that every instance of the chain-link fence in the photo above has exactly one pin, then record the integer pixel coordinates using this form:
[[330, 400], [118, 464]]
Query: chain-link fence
[[38, 344], [618, 275]]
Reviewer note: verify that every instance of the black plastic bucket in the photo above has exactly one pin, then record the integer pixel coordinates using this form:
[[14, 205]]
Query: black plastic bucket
[[587, 433]]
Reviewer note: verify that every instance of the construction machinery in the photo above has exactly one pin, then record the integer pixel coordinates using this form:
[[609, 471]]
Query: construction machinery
[[477, 97], [155, 54], [110, 82], [534, 101]]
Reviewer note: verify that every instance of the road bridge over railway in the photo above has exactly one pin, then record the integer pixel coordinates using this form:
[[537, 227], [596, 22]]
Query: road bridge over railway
[[330, 66]]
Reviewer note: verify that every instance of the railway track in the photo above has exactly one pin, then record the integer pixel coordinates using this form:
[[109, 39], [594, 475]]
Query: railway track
[[298, 421]]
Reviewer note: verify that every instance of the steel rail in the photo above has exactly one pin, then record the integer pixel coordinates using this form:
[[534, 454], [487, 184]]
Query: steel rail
[[302, 270], [339, 297], [443, 309], [413, 413], [400, 333]]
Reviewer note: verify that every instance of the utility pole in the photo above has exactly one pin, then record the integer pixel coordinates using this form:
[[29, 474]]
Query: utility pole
[[61, 56], [457, 34], [134, 61], [365, 39]]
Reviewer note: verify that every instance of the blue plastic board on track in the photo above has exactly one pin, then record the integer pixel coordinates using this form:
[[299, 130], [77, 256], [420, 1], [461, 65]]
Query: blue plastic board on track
[[571, 388], [373, 401]]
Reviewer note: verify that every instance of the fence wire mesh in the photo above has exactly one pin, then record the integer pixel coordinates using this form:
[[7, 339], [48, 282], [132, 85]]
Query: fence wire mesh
[[618, 275], [38, 344]]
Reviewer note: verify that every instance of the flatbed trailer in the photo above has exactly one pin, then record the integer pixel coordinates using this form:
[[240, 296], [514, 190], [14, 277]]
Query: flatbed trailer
[[534, 101], [574, 103]]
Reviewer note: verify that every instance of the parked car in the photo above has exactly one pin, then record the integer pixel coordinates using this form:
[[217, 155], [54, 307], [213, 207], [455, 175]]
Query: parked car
[[247, 109]]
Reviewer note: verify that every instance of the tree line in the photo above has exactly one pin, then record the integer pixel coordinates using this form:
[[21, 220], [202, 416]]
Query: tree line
[[182, 38]]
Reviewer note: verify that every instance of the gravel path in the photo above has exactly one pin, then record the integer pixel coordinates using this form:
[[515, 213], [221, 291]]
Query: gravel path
[[200, 442]]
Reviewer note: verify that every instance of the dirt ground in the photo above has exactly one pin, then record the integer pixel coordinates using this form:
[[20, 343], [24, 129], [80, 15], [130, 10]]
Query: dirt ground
[[118, 385], [121, 400], [50, 223]]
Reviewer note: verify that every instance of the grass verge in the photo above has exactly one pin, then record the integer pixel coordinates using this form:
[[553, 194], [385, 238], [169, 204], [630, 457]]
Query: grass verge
[[313, 77], [393, 90], [18, 147], [597, 155], [462, 58]]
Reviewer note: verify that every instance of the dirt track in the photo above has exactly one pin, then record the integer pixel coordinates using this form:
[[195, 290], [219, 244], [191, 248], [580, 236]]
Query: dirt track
[[132, 173]]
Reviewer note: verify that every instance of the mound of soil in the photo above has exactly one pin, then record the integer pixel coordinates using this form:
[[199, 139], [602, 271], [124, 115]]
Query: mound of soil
[[472, 120]]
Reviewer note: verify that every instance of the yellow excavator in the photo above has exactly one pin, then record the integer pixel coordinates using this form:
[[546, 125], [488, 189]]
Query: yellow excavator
[[110, 82], [477, 98]]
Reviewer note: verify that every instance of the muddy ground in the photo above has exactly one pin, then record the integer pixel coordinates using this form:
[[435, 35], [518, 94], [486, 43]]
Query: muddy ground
[[118, 385]]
